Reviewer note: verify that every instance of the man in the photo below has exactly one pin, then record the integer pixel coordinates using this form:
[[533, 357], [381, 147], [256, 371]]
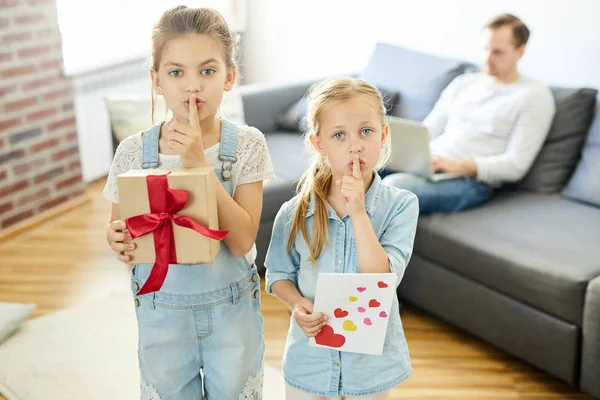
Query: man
[[487, 127]]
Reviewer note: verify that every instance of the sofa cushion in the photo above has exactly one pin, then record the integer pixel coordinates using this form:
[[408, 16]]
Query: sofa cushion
[[562, 148], [294, 118], [290, 159], [419, 78], [585, 183], [540, 249]]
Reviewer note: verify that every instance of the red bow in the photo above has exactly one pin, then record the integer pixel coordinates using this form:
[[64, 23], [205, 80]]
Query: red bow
[[164, 203]]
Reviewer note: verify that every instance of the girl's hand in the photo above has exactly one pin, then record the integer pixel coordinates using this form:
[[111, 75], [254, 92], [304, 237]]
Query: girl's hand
[[310, 323], [353, 189], [119, 238], [186, 139]]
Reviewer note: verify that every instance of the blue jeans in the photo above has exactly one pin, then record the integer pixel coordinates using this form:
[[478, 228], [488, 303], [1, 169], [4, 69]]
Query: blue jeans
[[219, 333], [450, 195]]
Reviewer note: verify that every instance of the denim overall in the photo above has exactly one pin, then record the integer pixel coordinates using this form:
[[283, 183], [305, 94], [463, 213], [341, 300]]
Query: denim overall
[[201, 335]]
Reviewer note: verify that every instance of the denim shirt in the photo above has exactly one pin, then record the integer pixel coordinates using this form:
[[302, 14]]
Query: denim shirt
[[325, 372]]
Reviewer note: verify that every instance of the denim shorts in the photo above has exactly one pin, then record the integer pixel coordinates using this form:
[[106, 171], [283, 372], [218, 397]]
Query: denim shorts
[[201, 345]]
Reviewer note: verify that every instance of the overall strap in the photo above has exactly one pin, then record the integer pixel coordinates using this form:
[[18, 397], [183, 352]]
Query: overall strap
[[150, 147], [228, 147]]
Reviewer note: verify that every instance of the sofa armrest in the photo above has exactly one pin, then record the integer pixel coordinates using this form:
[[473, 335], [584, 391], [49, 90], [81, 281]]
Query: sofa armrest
[[590, 359], [264, 102]]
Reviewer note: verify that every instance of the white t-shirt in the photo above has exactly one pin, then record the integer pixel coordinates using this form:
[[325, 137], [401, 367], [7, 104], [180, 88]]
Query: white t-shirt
[[500, 126], [253, 164]]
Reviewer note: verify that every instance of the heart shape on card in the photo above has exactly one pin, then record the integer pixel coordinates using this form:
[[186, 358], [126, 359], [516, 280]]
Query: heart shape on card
[[361, 309], [349, 326], [367, 321], [374, 303], [383, 314], [361, 289], [353, 298], [339, 313], [327, 337], [382, 284]]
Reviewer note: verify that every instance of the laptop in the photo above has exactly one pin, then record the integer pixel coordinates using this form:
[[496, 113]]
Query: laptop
[[410, 150]]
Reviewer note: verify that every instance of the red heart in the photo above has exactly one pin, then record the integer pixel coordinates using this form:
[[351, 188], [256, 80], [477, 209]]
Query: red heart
[[339, 313], [374, 303], [382, 284], [329, 338]]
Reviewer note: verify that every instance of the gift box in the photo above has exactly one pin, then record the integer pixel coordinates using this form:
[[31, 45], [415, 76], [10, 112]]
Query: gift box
[[172, 216]]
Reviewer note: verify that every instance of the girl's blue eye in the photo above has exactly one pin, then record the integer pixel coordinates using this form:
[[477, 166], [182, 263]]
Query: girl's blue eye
[[338, 135], [367, 131], [175, 73], [208, 71]]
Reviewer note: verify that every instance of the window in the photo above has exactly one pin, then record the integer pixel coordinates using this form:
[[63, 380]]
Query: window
[[100, 33]]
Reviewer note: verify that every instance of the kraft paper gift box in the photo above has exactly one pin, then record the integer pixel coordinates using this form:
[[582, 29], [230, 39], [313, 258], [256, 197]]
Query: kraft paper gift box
[[191, 247]]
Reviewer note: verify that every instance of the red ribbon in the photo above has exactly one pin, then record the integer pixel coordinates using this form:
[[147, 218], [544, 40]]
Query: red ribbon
[[164, 203]]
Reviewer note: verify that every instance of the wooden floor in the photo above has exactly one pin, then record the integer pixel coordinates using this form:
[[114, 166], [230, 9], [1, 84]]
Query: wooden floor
[[67, 261]]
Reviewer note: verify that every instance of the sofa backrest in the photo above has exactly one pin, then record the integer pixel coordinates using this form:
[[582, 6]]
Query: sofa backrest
[[419, 78]]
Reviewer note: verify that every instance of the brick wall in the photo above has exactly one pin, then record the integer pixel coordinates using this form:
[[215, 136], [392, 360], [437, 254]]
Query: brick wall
[[39, 155]]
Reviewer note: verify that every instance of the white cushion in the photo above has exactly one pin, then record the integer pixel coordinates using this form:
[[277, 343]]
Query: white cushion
[[11, 316]]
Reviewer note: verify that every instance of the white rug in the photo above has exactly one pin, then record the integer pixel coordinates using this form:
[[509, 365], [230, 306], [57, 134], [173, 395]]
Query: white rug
[[84, 352]]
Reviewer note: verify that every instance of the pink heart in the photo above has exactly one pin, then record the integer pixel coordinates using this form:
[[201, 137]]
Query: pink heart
[[361, 289], [368, 322], [383, 314], [361, 309]]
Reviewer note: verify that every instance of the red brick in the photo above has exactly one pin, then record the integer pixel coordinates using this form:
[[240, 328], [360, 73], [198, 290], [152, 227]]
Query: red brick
[[17, 218], [47, 144], [18, 71], [1, 143], [9, 123], [16, 37], [3, 175], [71, 136], [74, 165], [20, 104], [61, 124], [33, 51], [7, 90], [56, 94], [5, 57], [6, 207], [15, 187], [30, 18], [48, 175], [69, 182], [77, 193], [61, 155], [8, 3], [42, 114], [21, 169], [52, 64], [54, 203], [38, 83], [40, 194]]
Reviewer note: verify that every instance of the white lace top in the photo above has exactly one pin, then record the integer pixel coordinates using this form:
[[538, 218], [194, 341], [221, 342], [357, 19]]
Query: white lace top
[[253, 164]]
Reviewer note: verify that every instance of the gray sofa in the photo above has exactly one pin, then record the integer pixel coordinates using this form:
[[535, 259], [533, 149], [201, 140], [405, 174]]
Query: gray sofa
[[521, 272]]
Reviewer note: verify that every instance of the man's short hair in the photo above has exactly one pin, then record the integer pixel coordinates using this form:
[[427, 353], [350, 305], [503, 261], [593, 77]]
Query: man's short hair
[[519, 29]]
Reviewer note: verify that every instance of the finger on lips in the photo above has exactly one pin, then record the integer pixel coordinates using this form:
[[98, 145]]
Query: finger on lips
[[193, 112], [356, 167]]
